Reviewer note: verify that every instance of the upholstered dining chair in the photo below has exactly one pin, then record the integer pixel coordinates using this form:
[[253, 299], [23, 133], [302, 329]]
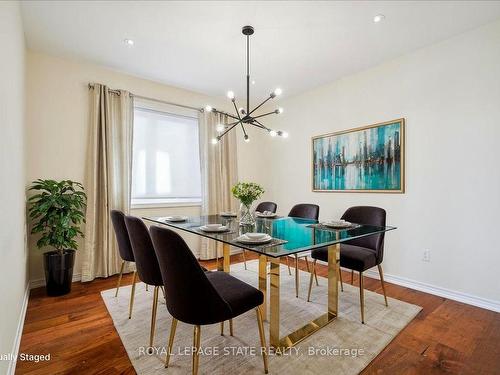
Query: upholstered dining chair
[[200, 298], [261, 207], [146, 263], [125, 250], [266, 206], [359, 254], [302, 211]]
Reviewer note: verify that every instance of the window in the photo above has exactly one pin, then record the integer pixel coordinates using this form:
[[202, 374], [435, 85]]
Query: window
[[166, 156]]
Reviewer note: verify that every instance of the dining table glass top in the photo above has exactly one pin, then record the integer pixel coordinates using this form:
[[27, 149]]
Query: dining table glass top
[[290, 235]]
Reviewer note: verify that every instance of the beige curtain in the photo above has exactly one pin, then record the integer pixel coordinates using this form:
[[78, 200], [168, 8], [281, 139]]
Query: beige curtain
[[108, 178], [218, 172]]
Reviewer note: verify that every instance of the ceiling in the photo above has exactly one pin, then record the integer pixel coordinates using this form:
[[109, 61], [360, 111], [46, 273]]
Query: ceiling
[[199, 46]]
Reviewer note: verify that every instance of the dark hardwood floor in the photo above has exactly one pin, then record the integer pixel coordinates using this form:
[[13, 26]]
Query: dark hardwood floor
[[446, 336]]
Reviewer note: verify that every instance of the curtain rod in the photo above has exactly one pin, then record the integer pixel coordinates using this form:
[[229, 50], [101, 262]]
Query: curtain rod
[[117, 92]]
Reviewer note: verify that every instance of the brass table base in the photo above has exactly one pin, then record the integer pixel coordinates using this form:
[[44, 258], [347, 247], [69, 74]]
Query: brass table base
[[282, 343]]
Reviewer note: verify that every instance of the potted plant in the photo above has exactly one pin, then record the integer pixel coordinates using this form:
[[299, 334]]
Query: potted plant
[[57, 211], [247, 193]]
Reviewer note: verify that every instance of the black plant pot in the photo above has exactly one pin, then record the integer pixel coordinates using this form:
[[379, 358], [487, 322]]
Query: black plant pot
[[59, 271]]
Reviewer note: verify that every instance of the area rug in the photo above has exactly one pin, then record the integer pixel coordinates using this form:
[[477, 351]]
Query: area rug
[[345, 346]]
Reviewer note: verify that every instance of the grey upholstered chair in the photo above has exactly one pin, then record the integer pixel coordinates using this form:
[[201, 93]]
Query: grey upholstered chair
[[261, 207], [200, 298], [146, 263], [302, 211], [359, 254], [125, 250]]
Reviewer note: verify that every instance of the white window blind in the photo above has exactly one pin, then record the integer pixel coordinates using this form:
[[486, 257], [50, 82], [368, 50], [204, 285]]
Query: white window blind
[[166, 157]]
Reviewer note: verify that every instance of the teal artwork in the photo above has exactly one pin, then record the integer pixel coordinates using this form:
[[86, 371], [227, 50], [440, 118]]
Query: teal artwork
[[367, 159]]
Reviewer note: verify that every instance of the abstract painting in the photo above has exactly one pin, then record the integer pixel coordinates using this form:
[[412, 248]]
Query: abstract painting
[[366, 159]]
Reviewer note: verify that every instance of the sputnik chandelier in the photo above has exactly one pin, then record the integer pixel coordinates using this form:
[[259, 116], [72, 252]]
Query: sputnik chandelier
[[246, 116]]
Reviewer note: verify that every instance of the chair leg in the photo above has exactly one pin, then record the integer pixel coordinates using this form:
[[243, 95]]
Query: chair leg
[[170, 341], [288, 265], [153, 316], [340, 279], [262, 335], [311, 281], [315, 276], [244, 259], [382, 281], [362, 297], [120, 278], [307, 264], [352, 277], [163, 290], [196, 346], [222, 328], [231, 327], [132, 294], [296, 276], [147, 287]]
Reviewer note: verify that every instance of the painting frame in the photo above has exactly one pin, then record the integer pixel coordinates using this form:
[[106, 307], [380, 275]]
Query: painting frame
[[402, 176]]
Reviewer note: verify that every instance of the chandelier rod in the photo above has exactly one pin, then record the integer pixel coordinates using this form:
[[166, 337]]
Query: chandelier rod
[[265, 114], [230, 126], [260, 105], [248, 73]]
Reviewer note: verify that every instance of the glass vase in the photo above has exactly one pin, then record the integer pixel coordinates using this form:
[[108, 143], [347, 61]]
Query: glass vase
[[246, 217]]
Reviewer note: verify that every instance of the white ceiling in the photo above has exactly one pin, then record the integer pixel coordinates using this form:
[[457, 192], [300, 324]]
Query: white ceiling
[[199, 46]]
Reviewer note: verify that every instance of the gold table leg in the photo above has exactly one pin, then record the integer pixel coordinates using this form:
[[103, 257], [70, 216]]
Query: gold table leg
[[296, 276], [223, 264], [274, 319], [226, 250], [263, 283], [280, 344]]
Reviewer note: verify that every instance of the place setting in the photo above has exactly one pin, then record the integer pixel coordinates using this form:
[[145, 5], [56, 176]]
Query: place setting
[[259, 239], [340, 224], [174, 218], [214, 228]]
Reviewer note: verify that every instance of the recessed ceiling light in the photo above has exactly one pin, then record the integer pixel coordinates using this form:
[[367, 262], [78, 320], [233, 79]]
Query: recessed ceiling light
[[128, 42], [378, 18]]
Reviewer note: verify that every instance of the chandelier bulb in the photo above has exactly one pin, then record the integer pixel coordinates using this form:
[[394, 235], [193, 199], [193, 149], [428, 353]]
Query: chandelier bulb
[[208, 108], [273, 133], [230, 95], [279, 110], [278, 91], [215, 141], [284, 134], [247, 139], [219, 128]]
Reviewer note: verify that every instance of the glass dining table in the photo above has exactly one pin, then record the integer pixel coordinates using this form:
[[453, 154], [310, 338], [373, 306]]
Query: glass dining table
[[290, 236]]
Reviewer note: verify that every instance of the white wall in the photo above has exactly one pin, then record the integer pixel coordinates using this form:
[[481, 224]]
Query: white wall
[[13, 253], [57, 125], [449, 94]]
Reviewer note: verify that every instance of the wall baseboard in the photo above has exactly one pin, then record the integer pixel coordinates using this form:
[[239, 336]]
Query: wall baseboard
[[19, 332], [37, 283], [438, 291]]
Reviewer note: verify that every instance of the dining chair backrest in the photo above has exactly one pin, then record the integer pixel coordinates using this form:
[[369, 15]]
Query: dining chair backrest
[[122, 237], [145, 256], [305, 211], [190, 296], [267, 206], [371, 216]]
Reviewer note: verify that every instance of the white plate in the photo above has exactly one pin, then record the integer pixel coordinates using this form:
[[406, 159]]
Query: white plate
[[260, 214], [337, 224], [222, 228], [246, 240], [256, 236], [228, 214], [175, 218]]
